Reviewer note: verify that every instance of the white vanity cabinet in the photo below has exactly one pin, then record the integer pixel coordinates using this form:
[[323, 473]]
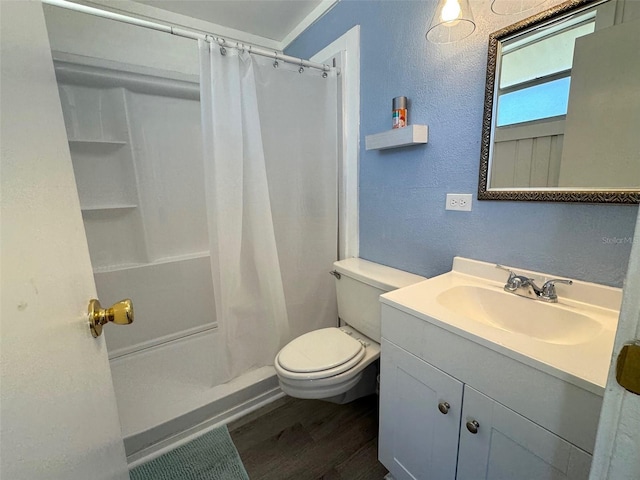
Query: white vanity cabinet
[[427, 411], [497, 443], [420, 408]]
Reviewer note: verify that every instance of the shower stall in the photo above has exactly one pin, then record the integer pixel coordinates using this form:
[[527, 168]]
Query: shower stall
[[131, 104]]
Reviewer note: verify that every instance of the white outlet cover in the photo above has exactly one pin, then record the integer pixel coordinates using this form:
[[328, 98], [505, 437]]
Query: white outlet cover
[[459, 201]]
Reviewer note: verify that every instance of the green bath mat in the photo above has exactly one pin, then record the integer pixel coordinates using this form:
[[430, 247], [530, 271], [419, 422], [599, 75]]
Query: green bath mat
[[213, 456]]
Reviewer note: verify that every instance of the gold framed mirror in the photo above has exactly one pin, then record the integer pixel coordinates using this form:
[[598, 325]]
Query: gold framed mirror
[[562, 107]]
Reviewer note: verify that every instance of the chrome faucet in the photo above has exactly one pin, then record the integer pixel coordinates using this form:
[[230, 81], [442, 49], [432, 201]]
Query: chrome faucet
[[526, 287]]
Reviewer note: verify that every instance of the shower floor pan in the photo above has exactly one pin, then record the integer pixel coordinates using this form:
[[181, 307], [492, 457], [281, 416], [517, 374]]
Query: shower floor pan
[[166, 395]]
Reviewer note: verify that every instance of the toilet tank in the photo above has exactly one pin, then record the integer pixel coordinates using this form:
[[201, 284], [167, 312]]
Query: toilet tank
[[358, 290]]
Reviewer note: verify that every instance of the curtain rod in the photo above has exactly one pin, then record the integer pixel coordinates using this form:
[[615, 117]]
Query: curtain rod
[[186, 33]]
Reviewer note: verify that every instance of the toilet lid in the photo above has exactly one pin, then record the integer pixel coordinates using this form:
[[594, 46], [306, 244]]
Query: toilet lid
[[320, 353]]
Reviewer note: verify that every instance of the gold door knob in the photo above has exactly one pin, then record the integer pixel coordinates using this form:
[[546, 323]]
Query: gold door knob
[[120, 313]]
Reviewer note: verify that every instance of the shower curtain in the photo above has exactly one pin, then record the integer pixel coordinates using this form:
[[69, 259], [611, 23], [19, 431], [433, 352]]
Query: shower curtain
[[270, 154]]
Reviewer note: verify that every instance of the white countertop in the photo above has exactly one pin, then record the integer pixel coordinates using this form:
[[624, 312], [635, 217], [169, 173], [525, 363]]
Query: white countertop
[[584, 363]]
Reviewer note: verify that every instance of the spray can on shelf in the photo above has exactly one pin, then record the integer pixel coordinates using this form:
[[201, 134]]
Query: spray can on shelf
[[399, 109]]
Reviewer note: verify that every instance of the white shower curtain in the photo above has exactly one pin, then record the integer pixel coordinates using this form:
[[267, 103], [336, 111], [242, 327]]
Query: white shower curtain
[[298, 115], [270, 177]]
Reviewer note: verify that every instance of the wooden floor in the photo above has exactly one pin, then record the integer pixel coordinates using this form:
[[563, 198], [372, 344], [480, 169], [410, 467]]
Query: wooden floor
[[310, 440]]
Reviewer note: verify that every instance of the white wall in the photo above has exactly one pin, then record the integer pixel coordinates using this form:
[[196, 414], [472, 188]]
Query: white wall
[[87, 35]]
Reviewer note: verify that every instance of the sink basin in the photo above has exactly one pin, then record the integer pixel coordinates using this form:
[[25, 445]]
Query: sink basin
[[548, 322]]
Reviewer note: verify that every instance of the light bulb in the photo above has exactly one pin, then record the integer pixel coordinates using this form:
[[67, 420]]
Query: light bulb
[[450, 11], [452, 21]]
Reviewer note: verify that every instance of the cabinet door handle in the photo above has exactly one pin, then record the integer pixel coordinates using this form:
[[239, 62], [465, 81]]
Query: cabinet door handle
[[473, 426], [444, 407]]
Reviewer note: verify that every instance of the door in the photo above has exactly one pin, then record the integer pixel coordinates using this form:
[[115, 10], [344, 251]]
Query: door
[[420, 409], [618, 440], [59, 417], [504, 445]]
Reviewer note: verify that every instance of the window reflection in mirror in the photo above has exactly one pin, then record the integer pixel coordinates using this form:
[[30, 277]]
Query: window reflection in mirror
[[535, 72]]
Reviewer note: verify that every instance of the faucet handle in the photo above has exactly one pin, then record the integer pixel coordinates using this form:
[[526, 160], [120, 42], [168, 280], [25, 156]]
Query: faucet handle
[[552, 283], [549, 288], [511, 272], [513, 282]]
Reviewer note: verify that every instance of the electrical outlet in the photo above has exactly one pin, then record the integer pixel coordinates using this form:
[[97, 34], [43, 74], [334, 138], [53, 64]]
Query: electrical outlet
[[459, 201]]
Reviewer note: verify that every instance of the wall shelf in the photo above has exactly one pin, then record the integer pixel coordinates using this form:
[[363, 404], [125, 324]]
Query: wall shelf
[[398, 137]]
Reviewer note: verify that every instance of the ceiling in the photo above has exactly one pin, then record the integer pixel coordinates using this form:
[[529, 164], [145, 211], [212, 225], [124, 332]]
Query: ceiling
[[271, 19]]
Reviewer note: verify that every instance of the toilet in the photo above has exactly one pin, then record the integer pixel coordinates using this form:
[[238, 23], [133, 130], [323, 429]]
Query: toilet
[[338, 364]]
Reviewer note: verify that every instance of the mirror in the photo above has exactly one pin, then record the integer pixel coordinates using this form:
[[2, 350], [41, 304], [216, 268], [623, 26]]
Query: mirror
[[562, 107]]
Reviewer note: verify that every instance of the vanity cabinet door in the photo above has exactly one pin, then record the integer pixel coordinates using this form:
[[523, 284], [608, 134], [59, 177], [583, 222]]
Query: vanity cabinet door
[[508, 446], [417, 440]]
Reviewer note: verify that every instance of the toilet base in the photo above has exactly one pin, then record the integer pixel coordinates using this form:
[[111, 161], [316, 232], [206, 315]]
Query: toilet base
[[366, 386], [362, 385]]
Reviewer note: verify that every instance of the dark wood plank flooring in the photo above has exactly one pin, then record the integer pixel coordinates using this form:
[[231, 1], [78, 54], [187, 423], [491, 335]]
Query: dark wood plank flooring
[[310, 440]]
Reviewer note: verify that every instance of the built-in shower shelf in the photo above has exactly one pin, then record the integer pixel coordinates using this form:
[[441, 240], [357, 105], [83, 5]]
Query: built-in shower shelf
[[78, 141], [398, 137], [151, 263], [117, 268], [99, 208]]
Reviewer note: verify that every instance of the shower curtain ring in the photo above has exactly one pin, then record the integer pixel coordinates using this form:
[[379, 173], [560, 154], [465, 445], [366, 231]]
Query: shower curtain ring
[[301, 69], [275, 62], [325, 74], [221, 42]]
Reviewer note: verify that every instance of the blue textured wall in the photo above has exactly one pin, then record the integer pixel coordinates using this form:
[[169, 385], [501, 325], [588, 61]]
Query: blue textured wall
[[403, 222]]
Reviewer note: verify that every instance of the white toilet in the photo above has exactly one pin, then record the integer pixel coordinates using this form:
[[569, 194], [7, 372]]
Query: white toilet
[[338, 364]]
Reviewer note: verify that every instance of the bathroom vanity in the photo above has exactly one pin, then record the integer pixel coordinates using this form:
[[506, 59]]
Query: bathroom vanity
[[477, 382]]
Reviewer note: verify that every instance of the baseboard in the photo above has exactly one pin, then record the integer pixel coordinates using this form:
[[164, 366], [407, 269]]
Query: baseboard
[[146, 446]]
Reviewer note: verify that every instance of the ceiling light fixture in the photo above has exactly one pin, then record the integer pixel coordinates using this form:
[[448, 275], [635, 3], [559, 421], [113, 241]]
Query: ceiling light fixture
[[452, 21]]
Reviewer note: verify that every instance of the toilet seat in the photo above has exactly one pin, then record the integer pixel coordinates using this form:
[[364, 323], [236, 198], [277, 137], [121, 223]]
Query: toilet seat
[[319, 354]]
